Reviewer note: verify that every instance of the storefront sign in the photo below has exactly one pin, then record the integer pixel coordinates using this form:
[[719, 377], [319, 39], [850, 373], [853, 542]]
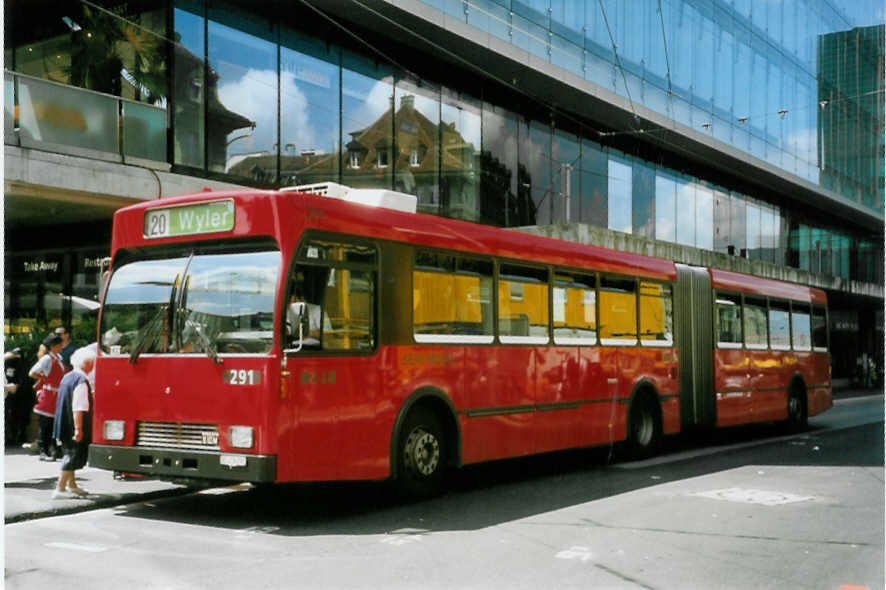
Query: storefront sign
[[844, 321], [185, 220], [40, 266]]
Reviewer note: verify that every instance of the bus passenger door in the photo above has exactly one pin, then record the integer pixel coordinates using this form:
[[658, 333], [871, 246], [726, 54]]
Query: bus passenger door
[[332, 367]]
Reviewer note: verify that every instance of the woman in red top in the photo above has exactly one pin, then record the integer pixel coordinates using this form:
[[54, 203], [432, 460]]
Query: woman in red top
[[48, 371]]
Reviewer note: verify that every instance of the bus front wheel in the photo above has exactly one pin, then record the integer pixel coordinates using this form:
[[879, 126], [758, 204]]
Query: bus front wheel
[[421, 455], [644, 428]]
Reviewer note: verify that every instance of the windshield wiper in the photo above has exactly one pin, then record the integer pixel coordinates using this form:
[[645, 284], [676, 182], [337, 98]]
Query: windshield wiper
[[207, 344], [148, 333]]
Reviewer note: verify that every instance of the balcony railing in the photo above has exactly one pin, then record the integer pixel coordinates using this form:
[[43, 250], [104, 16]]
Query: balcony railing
[[55, 117]]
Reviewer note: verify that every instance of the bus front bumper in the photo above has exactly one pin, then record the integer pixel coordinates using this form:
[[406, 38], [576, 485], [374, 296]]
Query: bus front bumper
[[184, 464]]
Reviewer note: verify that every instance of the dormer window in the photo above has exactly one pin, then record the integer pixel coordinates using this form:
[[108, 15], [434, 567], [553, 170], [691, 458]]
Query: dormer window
[[383, 157]]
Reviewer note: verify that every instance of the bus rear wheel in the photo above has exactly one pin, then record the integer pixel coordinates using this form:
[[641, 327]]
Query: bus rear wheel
[[421, 455], [644, 428], [798, 418]]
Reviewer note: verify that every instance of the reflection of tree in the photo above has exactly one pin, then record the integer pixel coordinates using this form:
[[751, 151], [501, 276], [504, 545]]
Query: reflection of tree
[[107, 49]]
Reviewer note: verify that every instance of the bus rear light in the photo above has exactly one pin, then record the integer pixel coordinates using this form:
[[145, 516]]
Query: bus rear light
[[114, 429], [240, 437]]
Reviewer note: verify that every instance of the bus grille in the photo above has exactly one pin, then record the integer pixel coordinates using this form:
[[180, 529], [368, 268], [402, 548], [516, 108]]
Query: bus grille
[[177, 435]]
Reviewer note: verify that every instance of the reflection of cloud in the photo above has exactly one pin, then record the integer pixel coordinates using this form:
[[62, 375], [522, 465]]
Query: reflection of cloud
[[245, 97], [374, 104]]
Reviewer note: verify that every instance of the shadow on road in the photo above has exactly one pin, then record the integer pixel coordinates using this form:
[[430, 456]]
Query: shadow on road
[[479, 496]]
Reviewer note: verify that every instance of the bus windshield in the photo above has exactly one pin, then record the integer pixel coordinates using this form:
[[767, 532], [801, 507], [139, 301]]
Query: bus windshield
[[209, 303]]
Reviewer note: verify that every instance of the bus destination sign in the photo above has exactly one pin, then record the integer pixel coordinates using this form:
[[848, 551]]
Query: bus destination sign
[[203, 218]]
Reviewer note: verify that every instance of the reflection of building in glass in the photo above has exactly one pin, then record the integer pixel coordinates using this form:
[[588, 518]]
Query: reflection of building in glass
[[850, 123]]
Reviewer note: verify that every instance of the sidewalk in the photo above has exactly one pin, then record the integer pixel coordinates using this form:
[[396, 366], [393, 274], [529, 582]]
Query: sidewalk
[[28, 485]]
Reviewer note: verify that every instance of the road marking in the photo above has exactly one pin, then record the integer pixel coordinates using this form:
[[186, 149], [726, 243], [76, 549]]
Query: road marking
[[576, 552], [747, 496], [77, 547], [852, 587], [256, 530]]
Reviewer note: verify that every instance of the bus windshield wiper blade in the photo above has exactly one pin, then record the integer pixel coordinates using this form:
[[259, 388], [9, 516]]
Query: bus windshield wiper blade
[[147, 334], [208, 346]]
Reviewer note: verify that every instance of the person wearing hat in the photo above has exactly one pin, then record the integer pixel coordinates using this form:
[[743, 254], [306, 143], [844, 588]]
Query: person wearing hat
[[48, 371]]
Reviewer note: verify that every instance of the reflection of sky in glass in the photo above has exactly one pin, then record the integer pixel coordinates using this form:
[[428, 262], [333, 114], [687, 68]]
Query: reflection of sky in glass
[[704, 218], [147, 281], [247, 68], [233, 284], [686, 213], [310, 95], [364, 100], [665, 209], [620, 188]]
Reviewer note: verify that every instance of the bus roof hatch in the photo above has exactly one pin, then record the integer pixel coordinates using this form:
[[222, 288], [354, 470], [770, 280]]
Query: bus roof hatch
[[374, 197]]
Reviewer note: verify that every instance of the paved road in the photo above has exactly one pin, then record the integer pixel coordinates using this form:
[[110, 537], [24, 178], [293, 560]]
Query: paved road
[[749, 509]]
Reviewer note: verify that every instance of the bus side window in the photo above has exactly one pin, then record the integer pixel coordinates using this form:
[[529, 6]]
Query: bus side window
[[801, 327], [656, 314], [755, 323], [819, 328], [729, 322], [618, 311]]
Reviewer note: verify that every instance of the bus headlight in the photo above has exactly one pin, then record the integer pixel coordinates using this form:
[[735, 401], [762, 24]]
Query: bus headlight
[[240, 437], [114, 429]]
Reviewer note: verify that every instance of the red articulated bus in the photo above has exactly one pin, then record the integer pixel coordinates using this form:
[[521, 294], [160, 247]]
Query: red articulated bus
[[280, 336]]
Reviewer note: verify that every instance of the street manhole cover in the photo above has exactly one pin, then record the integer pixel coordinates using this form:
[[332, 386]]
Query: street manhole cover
[[746, 496]]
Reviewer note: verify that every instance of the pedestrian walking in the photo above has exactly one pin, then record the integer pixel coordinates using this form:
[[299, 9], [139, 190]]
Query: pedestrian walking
[[68, 347], [48, 371], [73, 422], [18, 397]]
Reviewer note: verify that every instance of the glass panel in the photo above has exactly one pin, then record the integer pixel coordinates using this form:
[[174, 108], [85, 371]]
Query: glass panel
[[753, 231], [144, 131], [819, 328], [575, 309], [417, 129], [65, 115], [498, 168], [309, 111], [620, 196], [224, 304], [738, 224], [535, 161], [85, 287], [686, 213], [755, 323], [779, 325], [33, 293], [665, 209], [729, 321], [451, 299], [643, 201], [228, 303], [618, 311], [189, 85], [522, 305], [136, 306], [8, 108], [704, 218], [348, 306], [367, 123], [242, 112], [801, 327], [594, 185], [565, 192], [656, 314], [460, 131], [721, 228]]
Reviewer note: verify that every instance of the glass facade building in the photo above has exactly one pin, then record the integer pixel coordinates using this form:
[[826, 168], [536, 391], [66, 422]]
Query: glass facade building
[[266, 95]]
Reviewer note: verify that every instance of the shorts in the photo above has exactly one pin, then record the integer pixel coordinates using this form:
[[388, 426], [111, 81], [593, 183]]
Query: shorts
[[75, 455]]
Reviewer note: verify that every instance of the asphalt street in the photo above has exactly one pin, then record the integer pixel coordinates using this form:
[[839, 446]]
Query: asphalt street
[[745, 508]]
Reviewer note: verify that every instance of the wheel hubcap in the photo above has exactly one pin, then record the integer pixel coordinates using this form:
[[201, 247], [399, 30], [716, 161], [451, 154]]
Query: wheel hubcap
[[644, 429], [422, 452]]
